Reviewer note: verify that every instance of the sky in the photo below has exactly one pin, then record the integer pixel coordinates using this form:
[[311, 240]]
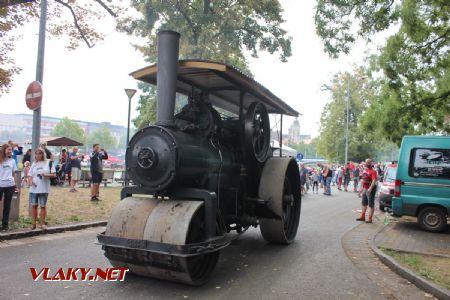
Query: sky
[[88, 84]]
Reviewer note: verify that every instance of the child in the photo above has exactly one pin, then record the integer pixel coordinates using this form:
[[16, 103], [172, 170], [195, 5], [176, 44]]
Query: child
[[26, 175], [315, 178]]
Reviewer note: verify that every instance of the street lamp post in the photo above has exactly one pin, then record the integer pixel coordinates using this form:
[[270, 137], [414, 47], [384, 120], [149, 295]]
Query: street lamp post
[[130, 93], [346, 123]]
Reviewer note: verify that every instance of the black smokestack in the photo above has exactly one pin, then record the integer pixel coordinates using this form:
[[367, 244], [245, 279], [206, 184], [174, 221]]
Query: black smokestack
[[166, 78]]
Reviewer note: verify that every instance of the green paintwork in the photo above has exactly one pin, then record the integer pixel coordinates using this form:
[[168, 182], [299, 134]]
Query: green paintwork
[[417, 192]]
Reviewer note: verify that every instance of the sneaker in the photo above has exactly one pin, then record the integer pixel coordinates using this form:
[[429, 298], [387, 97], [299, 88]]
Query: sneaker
[[361, 219], [44, 227], [33, 227], [93, 198], [369, 221], [4, 228]]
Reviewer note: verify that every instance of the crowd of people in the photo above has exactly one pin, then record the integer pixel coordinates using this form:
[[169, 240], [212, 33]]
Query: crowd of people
[[40, 172], [361, 178]]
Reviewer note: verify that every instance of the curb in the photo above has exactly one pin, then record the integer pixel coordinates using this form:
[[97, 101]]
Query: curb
[[418, 280], [55, 229]]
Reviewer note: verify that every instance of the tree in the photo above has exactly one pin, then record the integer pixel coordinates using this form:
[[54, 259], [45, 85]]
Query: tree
[[308, 150], [415, 86], [103, 137], [331, 142], [220, 30], [78, 27], [146, 106], [70, 129], [122, 143]]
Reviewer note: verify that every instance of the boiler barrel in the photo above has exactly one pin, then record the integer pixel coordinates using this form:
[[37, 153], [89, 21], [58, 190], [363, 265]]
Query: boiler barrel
[[159, 158]]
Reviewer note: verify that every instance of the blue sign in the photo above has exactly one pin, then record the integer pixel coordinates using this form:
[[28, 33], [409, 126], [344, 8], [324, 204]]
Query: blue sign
[[299, 156]]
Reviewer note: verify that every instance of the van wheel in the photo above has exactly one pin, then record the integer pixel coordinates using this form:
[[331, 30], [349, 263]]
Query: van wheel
[[432, 219]]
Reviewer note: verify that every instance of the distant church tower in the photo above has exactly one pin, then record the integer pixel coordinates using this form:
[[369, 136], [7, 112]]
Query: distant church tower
[[294, 132]]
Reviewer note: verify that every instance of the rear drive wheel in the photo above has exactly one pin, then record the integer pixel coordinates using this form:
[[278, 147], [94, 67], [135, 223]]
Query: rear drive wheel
[[432, 218], [280, 187]]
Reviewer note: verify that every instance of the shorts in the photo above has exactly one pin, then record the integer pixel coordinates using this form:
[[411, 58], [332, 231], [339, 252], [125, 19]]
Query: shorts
[[368, 198], [96, 177], [302, 180], [346, 180], [76, 174], [38, 199]]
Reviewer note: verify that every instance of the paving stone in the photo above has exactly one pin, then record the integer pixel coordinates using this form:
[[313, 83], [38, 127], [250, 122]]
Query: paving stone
[[393, 286], [408, 237]]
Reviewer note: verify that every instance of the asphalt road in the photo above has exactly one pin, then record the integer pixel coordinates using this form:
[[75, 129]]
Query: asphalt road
[[313, 267]]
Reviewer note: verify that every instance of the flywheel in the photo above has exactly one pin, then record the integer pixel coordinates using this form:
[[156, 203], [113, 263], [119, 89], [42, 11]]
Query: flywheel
[[257, 132]]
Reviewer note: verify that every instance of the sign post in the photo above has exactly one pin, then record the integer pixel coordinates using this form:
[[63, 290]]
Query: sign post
[[36, 134]]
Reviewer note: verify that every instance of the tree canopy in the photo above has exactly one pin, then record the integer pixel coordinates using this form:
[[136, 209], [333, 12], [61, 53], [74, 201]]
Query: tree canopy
[[415, 61], [65, 18], [103, 137], [221, 30], [70, 129], [331, 142]]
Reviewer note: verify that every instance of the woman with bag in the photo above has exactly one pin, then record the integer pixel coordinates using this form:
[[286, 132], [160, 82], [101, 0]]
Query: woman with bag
[[40, 174]]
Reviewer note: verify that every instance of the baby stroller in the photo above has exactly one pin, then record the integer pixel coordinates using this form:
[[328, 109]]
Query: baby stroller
[[60, 175]]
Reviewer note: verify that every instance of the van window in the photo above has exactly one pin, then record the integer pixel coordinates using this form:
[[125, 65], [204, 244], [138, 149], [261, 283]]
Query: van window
[[390, 174], [430, 163]]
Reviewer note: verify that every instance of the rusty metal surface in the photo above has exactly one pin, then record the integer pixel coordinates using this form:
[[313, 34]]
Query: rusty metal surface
[[129, 217], [167, 221]]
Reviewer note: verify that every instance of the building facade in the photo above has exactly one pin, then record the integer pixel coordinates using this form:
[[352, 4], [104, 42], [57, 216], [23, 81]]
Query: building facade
[[294, 132], [24, 123]]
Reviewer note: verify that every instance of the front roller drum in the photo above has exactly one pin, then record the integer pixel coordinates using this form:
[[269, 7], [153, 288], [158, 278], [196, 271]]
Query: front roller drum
[[280, 187], [176, 222]]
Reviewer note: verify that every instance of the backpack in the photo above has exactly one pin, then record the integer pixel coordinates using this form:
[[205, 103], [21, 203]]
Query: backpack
[[53, 181]]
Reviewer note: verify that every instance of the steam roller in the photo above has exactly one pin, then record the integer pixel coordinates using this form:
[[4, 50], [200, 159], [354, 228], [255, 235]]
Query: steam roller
[[203, 174]]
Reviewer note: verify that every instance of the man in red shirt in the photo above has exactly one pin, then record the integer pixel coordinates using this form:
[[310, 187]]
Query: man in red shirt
[[368, 181]]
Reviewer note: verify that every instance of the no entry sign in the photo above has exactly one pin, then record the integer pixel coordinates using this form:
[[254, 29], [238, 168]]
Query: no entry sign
[[33, 96]]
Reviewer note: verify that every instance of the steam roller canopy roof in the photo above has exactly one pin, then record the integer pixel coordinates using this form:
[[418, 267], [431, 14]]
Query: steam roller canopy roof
[[223, 83]]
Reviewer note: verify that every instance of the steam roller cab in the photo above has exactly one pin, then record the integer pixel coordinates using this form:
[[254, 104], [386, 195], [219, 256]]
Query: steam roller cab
[[203, 175]]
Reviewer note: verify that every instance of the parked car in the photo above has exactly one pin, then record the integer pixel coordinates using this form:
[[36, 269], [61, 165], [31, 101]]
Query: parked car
[[387, 185], [422, 185]]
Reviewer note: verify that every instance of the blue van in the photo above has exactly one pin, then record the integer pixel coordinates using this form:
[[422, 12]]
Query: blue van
[[422, 185]]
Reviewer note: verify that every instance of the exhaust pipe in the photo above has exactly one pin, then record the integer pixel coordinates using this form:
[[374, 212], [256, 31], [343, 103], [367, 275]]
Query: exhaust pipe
[[166, 78]]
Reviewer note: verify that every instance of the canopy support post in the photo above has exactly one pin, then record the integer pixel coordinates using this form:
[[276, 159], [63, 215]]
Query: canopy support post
[[281, 134]]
